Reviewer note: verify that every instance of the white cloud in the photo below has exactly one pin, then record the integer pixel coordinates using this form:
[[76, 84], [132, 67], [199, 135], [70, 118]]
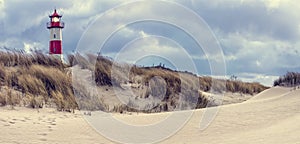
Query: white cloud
[[258, 63], [30, 47], [266, 80], [230, 58], [155, 46], [83, 8], [148, 46], [11, 43], [249, 52], [272, 4], [131, 33], [2, 13], [80, 8], [143, 34], [27, 46], [258, 36], [218, 3]]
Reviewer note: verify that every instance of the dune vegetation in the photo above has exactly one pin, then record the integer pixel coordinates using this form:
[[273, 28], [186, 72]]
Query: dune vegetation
[[37, 80], [290, 79]]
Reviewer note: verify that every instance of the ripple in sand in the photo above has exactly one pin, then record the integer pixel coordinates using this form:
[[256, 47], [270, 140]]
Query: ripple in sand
[[2, 120], [23, 120]]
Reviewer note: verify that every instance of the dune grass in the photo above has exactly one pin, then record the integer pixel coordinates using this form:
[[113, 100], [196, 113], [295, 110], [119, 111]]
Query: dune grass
[[37, 80], [41, 79], [290, 79]]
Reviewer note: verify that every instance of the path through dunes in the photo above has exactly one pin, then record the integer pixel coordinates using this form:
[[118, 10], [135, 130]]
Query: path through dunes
[[270, 117]]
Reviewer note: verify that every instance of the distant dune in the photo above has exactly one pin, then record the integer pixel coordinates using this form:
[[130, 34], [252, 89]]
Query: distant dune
[[270, 117], [94, 82]]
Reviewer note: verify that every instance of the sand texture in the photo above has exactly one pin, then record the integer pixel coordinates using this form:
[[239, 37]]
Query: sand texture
[[272, 117]]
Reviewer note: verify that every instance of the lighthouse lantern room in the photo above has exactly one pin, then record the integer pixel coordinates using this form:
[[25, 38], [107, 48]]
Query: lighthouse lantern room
[[55, 26]]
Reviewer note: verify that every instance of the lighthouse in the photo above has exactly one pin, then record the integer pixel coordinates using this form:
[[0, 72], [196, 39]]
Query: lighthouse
[[55, 44]]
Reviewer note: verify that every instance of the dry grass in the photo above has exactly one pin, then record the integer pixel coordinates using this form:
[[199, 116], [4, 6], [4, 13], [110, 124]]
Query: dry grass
[[103, 72], [2, 74], [16, 58], [172, 80], [290, 79], [205, 83], [42, 80], [86, 100], [180, 91], [9, 97], [246, 88]]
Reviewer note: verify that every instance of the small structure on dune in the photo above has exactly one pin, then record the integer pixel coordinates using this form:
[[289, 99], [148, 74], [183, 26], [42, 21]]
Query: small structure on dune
[[55, 26]]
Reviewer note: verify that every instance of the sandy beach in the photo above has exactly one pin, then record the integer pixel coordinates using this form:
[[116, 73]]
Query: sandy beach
[[270, 117]]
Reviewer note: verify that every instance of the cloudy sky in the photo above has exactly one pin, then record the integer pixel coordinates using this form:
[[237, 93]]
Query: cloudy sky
[[259, 38]]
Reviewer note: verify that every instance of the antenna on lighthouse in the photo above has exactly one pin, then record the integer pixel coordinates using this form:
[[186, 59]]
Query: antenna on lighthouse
[[55, 26]]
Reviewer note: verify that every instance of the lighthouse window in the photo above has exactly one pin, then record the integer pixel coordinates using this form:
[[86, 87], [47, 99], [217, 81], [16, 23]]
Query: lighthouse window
[[54, 36]]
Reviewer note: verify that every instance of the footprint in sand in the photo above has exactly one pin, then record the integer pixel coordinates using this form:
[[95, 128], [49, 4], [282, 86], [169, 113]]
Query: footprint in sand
[[42, 134], [36, 123], [23, 120], [11, 122], [27, 118], [50, 128], [43, 139], [3, 120], [53, 124], [49, 120]]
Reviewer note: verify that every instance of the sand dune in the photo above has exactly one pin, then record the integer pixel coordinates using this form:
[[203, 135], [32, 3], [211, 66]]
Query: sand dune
[[271, 120], [270, 117], [271, 93]]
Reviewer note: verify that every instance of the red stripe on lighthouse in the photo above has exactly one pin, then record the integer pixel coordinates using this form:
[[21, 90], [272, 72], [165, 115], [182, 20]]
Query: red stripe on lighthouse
[[55, 47]]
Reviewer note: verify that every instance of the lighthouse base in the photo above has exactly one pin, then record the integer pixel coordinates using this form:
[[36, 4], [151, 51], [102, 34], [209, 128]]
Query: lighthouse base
[[58, 57]]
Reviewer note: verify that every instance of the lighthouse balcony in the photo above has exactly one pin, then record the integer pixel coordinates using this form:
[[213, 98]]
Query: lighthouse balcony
[[55, 25]]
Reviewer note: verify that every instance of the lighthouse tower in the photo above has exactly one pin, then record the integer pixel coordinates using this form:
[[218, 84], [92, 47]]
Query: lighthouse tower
[[55, 26]]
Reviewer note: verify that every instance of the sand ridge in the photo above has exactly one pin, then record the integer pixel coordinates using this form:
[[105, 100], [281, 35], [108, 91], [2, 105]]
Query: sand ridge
[[270, 117]]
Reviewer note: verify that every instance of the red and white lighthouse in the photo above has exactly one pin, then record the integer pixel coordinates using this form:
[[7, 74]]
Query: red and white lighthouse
[[55, 26]]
